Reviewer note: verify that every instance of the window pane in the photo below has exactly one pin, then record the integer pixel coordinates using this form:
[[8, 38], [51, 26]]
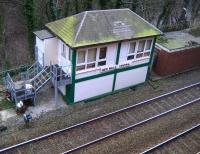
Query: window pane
[[81, 57], [102, 54], [132, 47], [70, 55], [148, 45], [91, 65], [92, 55], [63, 51], [141, 46], [102, 63], [139, 55], [78, 68], [146, 54], [130, 57]]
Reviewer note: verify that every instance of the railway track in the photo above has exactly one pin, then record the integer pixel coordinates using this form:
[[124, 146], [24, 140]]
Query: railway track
[[89, 132], [185, 142]]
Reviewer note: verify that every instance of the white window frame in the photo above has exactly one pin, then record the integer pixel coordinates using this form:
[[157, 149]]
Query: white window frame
[[64, 52], [136, 50], [98, 54], [85, 63], [70, 55]]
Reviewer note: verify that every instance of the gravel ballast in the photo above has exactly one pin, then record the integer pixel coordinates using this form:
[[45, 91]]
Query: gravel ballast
[[71, 115]]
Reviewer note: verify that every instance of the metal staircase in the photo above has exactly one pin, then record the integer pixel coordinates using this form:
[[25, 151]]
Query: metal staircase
[[34, 79], [41, 79]]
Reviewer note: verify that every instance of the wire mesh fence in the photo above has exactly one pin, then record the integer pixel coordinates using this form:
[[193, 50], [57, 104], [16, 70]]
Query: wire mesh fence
[[14, 72]]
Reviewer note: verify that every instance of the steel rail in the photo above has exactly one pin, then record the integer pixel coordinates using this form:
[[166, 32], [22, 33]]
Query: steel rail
[[131, 127], [170, 139], [97, 118]]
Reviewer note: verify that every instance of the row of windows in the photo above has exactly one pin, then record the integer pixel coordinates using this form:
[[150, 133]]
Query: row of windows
[[91, 58], [95, 57], [139, 49]]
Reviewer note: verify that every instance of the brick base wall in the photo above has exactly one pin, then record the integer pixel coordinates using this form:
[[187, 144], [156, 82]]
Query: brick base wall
[[176, 62]]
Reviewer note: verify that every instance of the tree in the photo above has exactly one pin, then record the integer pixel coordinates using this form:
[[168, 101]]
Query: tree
[[67, 6], [76, 6], [88, 4], [134, 5], [29, 11], [103, 4], [2, 43], [54, 10], [167, 9], [119, 3]]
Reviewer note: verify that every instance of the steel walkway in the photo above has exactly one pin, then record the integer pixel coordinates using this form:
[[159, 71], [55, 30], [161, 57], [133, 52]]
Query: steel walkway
[[34, 79]]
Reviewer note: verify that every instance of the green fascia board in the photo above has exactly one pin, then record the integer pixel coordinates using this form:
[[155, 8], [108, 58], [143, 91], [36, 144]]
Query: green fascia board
[[101, 26], [152, 52]]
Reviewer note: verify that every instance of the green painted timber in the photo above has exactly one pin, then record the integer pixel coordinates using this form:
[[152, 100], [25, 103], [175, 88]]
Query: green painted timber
[[151, 58], [70, 89], [117, 62], [110, 72]]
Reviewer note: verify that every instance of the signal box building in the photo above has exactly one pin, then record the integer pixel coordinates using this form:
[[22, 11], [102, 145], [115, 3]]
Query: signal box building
[[101, 51]]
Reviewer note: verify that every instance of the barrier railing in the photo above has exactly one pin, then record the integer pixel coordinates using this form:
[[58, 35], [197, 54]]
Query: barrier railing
[[37, 76]]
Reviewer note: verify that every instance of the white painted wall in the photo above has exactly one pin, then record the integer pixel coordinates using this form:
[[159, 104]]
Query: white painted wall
[[40, 44], [62, 61], [51, 51], [94, 87], [110, 60], [41, 48], [87, 73], [131, 77]]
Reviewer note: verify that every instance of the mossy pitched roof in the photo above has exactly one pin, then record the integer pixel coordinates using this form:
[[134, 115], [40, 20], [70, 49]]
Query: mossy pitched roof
[[102, 26]]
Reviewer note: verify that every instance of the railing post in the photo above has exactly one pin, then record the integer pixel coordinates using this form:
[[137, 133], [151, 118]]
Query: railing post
[[61, 73], [56, 86]]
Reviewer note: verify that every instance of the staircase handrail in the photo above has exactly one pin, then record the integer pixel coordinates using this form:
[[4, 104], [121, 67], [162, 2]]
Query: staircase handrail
[[38, 74], [36, 67], [43, 83], [10, 82], [55, 70]]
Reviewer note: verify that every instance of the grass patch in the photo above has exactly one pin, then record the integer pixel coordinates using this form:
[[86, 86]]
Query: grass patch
[[5, 104]]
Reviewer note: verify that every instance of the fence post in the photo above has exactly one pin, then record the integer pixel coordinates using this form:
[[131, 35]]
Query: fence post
[[56, 86]]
